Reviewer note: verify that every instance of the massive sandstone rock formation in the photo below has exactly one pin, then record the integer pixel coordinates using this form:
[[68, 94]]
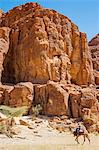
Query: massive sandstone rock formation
[[94, 48], [44, 45], [45, 48]]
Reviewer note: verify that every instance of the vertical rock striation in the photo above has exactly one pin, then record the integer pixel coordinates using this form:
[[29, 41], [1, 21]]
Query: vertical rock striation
[[94, 48], [4, 46]]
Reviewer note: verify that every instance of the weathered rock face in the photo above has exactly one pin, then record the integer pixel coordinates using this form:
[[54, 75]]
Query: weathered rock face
[[53, 98], [89, 103], [63, 99], [45, 45], [57, 102], [4, 45], [75, 99], [18, 95], [94, 48]]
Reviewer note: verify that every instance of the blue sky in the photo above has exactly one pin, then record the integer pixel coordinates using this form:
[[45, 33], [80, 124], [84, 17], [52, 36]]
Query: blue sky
[[84, 13]]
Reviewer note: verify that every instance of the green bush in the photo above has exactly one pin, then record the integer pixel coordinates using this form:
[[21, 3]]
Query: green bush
[[2, 129], [13, 112]]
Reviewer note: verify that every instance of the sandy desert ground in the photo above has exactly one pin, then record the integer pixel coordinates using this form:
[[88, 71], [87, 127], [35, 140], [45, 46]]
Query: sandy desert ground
[[43, 137], [48, 142]]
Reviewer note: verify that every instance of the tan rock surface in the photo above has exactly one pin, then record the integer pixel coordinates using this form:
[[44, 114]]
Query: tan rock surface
[[4, 46], [63, 99], [53, 98], [88, 98], [45, 45], [75, 98], [21, 95], [57, 102], [89, 101], [17, 95], [96, 74], [94, 48]]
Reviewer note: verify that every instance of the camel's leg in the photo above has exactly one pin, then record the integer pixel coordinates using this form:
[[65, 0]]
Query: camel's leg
[[84, 139], [77, 139], [88, 137]]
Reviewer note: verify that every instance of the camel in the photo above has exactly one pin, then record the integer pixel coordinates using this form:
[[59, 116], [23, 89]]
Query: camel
[[81, 131]]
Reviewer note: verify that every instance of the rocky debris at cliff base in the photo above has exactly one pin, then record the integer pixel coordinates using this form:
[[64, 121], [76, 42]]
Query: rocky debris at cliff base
[[44, 133], [44, 127], [54, 98]]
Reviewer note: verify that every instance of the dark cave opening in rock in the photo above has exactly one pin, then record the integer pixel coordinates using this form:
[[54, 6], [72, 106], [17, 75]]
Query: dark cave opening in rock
[[8, 73]]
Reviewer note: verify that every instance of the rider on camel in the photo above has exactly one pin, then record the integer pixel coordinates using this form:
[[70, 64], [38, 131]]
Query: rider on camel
[[79, 128]]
